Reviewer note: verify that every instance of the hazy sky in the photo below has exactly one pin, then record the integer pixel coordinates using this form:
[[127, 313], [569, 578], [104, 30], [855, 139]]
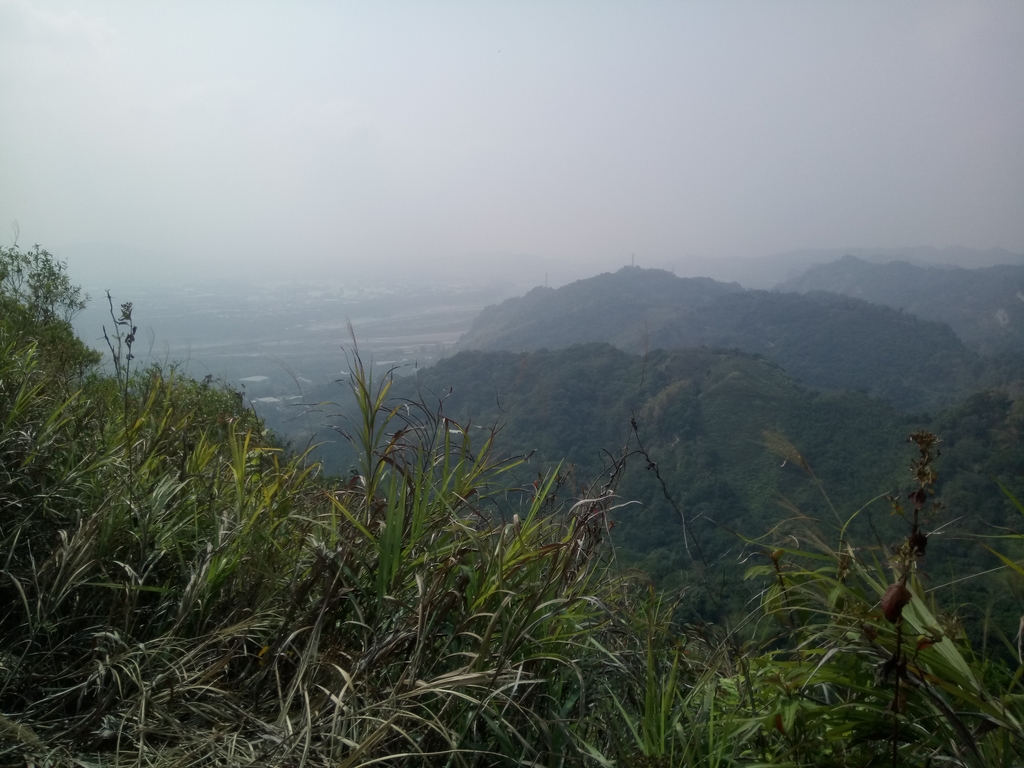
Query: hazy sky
[[373, 136]]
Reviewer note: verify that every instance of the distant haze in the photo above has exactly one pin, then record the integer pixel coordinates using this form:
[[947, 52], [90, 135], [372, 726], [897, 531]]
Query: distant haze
[[371, 140]]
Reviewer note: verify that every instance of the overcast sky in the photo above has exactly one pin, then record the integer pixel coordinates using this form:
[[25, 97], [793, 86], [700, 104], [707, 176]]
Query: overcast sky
[[366, 137]]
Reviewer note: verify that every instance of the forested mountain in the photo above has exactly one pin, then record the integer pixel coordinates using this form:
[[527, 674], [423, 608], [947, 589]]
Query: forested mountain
[[985, 306], [768, 271], [830, 341], [702, 415], [827, 341], [618, 308]]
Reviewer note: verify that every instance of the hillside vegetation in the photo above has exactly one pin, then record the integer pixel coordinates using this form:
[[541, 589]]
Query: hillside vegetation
[[179, 591], [833, 342], [619, 308], [711, 420], [825, 340], [985, 307]]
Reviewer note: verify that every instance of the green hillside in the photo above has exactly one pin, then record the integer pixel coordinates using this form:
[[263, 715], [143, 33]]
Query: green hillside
[[620, 308], [829, 341], [703, 415], [985, 307], [826, 341]]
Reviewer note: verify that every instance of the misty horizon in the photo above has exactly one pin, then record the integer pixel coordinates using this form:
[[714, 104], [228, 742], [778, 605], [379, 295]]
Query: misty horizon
[[358, 143]]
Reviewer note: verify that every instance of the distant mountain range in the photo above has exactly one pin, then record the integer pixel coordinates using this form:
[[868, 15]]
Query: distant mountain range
[[985, 306], [768, 271], [951, 256], [617, 308], [826, 340]]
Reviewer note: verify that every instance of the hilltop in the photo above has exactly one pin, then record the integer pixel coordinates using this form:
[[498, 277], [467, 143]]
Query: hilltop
[[618, 308]]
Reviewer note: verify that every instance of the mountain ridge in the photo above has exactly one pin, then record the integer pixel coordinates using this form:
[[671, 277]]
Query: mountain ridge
[[827, 340], [984, 306]]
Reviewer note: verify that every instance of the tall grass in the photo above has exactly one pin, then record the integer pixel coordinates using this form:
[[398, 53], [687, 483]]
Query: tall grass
[[220, 602]]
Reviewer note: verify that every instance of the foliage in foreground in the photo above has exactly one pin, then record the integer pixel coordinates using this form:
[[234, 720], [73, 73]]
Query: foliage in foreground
[[175, 591]]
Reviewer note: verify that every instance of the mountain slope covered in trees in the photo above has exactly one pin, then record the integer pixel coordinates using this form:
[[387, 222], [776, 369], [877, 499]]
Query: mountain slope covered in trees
[[714, 422], [826, 340], [617, 308], [833, 342], [985, 306]]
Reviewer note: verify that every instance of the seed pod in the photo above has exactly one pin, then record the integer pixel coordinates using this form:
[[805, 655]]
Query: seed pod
[[919, 497], [895, 597], [918, 542]]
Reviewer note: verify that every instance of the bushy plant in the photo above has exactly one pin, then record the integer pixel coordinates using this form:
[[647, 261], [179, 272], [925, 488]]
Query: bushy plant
[[38, 301]]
